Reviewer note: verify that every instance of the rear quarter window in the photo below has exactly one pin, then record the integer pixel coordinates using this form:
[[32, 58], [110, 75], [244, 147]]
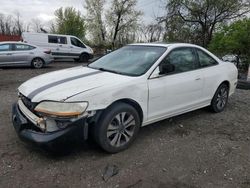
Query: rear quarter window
[[205, 59], [20, 47]]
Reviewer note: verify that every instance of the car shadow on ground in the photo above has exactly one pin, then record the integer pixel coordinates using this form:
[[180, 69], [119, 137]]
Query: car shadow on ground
[[24, 67]]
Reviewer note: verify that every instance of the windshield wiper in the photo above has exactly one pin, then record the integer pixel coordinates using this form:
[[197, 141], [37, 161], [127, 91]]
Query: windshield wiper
[[112, 71]]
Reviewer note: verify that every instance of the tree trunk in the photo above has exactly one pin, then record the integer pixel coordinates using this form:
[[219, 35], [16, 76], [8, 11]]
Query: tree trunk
[[116, 30]]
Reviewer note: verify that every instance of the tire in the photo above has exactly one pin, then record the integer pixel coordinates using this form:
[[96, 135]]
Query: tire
[[37, 63], [220, 99], [117, 127], [84, 58]]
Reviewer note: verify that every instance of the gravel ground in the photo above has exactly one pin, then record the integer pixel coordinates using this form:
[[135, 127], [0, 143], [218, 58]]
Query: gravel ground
[[197, 149]]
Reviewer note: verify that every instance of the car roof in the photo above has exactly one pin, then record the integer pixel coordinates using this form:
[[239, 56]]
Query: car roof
[[47, 34], [162, 44], [12, 42], [16, 42]]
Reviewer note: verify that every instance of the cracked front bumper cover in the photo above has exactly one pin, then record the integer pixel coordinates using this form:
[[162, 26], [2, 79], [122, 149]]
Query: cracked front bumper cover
[[28, 132]]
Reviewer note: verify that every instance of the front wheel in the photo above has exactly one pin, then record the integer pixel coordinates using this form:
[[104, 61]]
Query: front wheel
[[220, 98], [117, 127], [37, 63]]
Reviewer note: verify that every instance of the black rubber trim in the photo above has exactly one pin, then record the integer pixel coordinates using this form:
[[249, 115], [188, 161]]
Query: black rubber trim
[[65, 54]]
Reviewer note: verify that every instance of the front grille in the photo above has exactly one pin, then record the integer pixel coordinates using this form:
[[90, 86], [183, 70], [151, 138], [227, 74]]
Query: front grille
[[27, 102]]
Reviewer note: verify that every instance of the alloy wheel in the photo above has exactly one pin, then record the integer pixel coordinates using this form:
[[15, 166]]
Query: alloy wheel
[[121, 129], [222, 98], [38, 63]]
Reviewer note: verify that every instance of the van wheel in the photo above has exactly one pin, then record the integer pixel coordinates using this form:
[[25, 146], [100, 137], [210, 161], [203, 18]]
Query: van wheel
[[117, 128], [37, 63], [84, 58], [220, 98]]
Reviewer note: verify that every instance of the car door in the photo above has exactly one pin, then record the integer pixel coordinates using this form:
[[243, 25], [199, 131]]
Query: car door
[[77, 47], [63, 46], [59, 46], [211, 73], [179, 90], [6, 57], [22, 53], [53, 45]]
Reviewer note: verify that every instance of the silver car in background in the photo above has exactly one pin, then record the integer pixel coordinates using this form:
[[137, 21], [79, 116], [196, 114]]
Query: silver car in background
[[23, 54]]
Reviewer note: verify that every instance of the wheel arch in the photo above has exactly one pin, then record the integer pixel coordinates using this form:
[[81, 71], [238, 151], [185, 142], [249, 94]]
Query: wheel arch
[[220, 83], [131, 102], [134, 104], [37, 57], [225, 82], [84, 53]]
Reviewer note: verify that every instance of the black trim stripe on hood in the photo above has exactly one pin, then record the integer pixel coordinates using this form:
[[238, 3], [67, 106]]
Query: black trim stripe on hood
[[53, 84]]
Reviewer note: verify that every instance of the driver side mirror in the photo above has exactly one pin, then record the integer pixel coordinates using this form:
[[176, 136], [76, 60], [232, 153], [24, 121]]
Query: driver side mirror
[[166, 68]]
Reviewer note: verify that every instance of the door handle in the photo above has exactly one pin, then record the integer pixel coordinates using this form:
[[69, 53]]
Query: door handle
[[57, 49], [9, 53], [71, 47], [197, 79], [60, 45]]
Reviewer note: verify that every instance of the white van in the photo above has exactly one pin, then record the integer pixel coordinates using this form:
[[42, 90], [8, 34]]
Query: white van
[[61, 46]]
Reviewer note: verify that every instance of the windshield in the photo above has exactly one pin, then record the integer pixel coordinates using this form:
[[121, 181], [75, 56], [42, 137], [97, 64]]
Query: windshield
[[129, 60]]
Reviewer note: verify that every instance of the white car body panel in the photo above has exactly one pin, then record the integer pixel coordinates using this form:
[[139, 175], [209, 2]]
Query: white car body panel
[[158, 97], [174, 91]]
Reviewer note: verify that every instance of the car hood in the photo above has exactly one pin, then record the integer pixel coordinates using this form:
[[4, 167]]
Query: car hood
[[64, 84]]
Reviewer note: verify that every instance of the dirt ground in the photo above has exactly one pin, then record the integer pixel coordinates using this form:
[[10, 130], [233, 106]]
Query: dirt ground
[[197, 149]]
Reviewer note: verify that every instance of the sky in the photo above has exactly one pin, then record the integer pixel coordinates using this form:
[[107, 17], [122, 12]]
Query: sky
[[44, 9]]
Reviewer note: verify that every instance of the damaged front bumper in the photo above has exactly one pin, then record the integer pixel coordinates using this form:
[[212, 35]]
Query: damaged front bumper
[[29, 132]]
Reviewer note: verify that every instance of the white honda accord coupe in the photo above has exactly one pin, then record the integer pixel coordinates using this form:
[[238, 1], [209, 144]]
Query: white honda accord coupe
[[114, 96]]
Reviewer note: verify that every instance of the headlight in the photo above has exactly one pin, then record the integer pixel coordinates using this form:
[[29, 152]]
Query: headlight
[[61, 109]]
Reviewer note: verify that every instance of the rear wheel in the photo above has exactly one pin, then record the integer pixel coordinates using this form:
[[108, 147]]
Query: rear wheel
[[84, 58], [117, 127], [220, 98], [37, 63]]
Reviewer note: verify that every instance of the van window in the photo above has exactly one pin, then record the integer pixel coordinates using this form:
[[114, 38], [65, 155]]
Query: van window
[[76, 42], [57, 40], [53, 39], [62, 40]]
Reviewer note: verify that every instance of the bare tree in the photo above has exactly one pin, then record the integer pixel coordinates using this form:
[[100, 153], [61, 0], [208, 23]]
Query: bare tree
[[19, 26], [153, 32], [12, 25], [122, 16], [95, 22], [7, 25], [36, 25]]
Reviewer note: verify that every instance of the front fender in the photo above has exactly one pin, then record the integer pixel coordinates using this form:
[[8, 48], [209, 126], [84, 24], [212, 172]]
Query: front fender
[[103, 97]]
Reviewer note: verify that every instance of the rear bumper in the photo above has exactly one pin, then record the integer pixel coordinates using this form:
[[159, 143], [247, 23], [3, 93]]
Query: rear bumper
[[28, 132], [49, 60]]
